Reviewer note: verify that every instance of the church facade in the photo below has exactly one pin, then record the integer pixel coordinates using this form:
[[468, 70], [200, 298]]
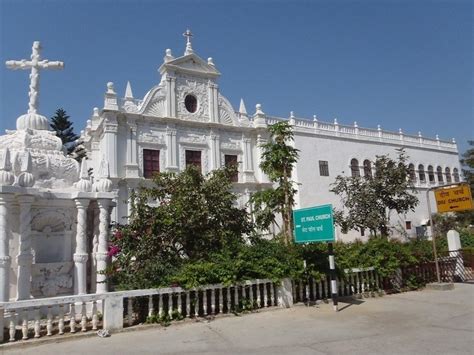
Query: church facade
[[185, 120]]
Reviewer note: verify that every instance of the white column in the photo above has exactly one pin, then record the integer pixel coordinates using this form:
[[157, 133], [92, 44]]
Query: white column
[[95, 242], [5, 200], [101, 255], [260, 141], [213, 103], [132, 166], [171, 161], [170, 96], [215, 152], [80, 255], [24, 257], [110, 140], [248, 172]]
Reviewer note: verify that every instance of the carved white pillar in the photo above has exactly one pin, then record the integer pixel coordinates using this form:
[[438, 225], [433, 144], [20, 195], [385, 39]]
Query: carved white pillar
[[171, 148], [248, 172], [5, 200], [110, 140], [102, 248], [80, 254], [260, 141], [213, 103], [25, 256], [132, 166], [170, 96], [215, 151], [95, 243]]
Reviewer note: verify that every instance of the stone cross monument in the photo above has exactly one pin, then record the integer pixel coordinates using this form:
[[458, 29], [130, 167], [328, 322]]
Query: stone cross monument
[[34, 121]]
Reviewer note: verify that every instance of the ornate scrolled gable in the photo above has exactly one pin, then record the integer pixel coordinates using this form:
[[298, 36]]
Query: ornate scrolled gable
[[154, 103], [226, 112]]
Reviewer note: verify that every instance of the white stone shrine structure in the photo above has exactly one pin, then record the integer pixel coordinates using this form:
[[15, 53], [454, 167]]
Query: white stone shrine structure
[[54, 220]]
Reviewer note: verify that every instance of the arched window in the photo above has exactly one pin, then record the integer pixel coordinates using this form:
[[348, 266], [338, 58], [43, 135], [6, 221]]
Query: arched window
[[412, 174], [355, 168], [421, 173], [439, 172], [456, 175], [367, 168], [448, 175], [431, 176]]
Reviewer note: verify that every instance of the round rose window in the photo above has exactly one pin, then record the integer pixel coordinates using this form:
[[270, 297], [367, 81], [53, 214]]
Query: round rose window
[[190, 102]]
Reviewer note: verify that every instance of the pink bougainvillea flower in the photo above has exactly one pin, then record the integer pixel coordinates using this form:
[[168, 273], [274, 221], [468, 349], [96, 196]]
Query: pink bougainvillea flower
[[113, 250]]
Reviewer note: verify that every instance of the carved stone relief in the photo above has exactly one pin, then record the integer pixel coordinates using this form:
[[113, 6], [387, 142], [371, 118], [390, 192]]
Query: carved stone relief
[[155, 103], [51, 279], [197, 87]]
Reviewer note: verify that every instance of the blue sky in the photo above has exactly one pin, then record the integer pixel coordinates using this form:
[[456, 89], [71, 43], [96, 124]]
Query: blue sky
[[401, 64]]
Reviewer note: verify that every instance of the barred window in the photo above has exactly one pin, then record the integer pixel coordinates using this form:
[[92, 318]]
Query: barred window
[[231, 160], [439, 172], [421, 173], [323, 168], [448, 175], [367, 168], [431, 176], [456, 175], [355, 168], [151, 162], [193, 158], [411, 169]]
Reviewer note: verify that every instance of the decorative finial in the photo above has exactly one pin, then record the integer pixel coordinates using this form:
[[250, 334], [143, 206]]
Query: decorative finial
[[104, 184], [189, 48], [355, 124], [292, 115], [258, 109], [400, 131], [168, 56], [335, 121], [210, 61], [110, 88], [315, 118], [84, 184], [437, 137], [379, 128], [419, 134], [454, 140], [26, 178], [6, 176], [88, 123]]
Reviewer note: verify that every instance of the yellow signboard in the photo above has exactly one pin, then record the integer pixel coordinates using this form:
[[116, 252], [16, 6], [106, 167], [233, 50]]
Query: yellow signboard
[[456, 198]]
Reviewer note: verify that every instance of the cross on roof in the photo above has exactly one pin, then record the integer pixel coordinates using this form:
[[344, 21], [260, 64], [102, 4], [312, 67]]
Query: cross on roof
[[188, 35], [189, 48], [36, 63]]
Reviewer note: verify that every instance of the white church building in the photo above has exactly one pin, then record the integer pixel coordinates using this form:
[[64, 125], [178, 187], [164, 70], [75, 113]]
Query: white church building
[[54, 221], [186, 120]]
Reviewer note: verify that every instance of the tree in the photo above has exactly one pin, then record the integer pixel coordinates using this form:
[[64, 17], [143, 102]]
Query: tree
[[62, 124], [278, 159], [368, 201], [468, 165], [182, 218]]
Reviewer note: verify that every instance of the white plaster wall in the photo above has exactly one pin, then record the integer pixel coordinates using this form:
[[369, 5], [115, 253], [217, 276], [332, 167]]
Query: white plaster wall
[[314, 189]]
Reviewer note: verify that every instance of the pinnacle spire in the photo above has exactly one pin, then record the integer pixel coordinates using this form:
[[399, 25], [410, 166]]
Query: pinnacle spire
[[242, 109], [128, 91]]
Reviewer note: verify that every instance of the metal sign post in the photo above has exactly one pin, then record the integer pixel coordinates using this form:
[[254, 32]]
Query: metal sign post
[[449, 198], [316, 224]]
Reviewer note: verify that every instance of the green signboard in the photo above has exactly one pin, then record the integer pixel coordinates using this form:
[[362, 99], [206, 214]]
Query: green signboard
[[314, 224]]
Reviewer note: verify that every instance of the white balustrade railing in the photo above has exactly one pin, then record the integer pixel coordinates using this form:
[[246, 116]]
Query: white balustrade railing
[[355, 282], [354, 132], [69, 314]]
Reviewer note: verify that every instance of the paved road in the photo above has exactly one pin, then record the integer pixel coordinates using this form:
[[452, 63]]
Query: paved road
[[424, 322]]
